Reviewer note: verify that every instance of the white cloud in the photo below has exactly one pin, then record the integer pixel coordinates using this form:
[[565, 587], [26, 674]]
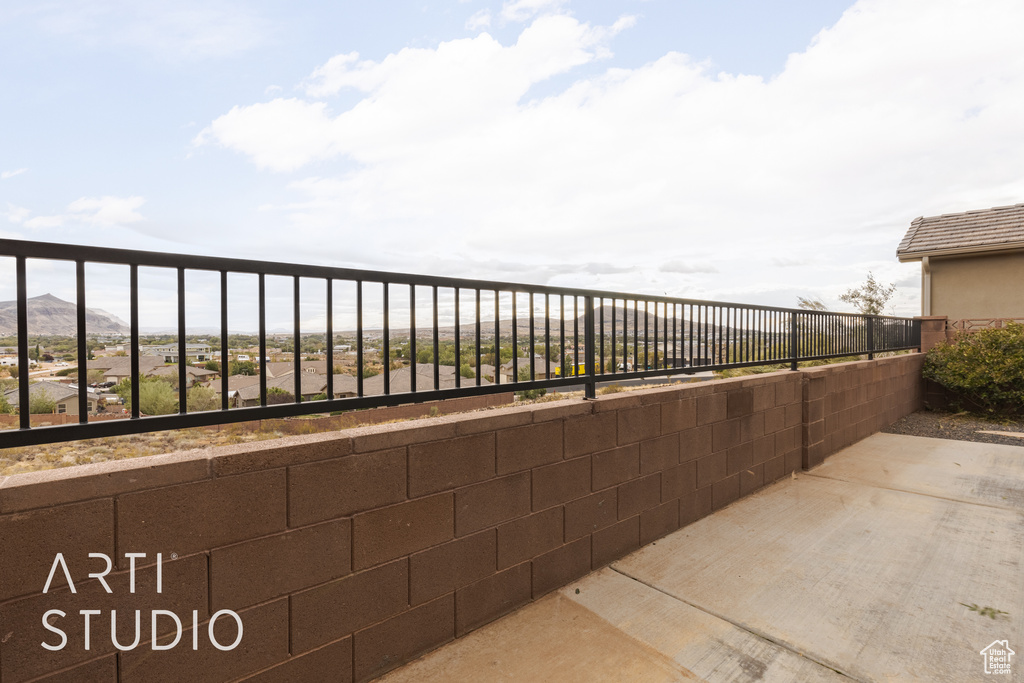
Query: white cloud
[[426, 95], [679, 266], [524, 10], [190, 29], [10, 174], [16, 214], [93, 211], [900, 109], [480, 19]]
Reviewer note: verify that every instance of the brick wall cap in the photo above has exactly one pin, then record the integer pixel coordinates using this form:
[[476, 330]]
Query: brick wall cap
[[488, 420], [773, 377], [573, 407], [46, 488], [609, 402], [673, 392], [397, 434]]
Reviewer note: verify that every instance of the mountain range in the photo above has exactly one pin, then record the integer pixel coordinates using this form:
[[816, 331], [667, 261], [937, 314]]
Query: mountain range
[[48, 315]]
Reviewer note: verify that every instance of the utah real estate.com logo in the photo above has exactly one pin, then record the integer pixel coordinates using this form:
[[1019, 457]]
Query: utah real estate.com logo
[[997, 657]]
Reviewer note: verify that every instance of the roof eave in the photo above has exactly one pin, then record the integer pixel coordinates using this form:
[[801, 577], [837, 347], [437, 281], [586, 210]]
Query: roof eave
[[960, 251]]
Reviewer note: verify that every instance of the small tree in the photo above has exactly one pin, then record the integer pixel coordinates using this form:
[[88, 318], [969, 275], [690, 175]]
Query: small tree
[[244, 367], [276, 395], [524, 376], [5, 407], [871, 297], [156, 397], [212, 365], [202, 398], [123, 389], [811, 304], [41, 405]]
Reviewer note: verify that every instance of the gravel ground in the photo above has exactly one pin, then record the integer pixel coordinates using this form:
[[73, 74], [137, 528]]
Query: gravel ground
[[958, 426]]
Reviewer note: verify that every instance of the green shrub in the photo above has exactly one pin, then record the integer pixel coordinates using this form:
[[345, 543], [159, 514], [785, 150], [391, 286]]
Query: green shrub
[[277, 395], [985, 369], [41, 405]]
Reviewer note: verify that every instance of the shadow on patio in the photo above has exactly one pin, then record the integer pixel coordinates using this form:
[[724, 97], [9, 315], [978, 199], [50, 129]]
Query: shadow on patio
[[877, 565]]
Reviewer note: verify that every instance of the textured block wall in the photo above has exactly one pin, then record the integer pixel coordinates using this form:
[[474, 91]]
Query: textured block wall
[[349, 553]]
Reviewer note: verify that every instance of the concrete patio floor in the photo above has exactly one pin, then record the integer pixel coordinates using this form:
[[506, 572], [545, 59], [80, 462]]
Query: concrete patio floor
[[863, 569]]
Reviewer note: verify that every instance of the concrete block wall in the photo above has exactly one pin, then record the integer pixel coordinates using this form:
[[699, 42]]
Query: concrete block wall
[[349, 553], [847, 402]]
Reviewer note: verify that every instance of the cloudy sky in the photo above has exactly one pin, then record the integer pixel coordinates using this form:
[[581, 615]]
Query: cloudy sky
[[742, 150]]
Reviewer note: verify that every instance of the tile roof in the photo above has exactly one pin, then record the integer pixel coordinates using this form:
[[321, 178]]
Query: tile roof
[[50, 390], [971, 231]]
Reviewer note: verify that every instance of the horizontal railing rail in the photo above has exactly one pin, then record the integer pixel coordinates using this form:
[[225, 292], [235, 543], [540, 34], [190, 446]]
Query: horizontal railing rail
[[552, 338]]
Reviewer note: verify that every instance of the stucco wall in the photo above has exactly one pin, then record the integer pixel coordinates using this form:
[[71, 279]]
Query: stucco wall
[[349, 553], [978, 286]]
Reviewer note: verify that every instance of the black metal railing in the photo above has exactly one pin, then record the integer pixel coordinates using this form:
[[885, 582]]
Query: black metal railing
[[554, 338]]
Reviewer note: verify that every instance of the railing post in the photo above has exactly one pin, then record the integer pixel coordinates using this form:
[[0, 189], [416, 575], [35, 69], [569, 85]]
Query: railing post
[[871, 337], [792, 339], [589, 358]]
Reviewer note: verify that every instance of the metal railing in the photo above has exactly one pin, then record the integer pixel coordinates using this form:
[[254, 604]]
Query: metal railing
[[568, 337]]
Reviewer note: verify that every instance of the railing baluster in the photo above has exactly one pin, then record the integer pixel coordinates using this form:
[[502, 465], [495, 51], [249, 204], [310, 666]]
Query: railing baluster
[[297, 339], [547, 336], [497, 339], [224, 364], [24, 416], [458, 340], [359, 338], [655, 335], [182, 347], [412, 338], [615, 340], [590, 390], [479, 370], [83, 346], [437, 343], [387, 340], [263, 338], [330, 339], [515, 341], [533, 342], [562, 355], [133, 286]]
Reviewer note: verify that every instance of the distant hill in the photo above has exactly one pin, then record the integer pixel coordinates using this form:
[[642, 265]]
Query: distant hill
[[48, 315]]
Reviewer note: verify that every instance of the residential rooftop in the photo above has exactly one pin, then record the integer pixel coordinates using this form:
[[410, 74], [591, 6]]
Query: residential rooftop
[[1000, 228]]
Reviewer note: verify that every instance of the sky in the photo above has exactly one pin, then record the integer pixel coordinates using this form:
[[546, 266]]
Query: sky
[[742, 150]]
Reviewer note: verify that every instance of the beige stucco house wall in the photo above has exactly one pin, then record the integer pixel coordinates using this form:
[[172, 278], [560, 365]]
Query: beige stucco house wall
[[979, 286], [972, 263]]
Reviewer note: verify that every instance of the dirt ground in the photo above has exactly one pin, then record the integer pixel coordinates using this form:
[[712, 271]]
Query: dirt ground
[[959, 426]]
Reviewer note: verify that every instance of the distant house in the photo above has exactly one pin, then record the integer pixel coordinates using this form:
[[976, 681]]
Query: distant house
[[169, 352], [310, 385], [972, 263], [117, 368], [280, 369], [540, 368], [8, 361], [401, 379], [192, 373], [64, 397]]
